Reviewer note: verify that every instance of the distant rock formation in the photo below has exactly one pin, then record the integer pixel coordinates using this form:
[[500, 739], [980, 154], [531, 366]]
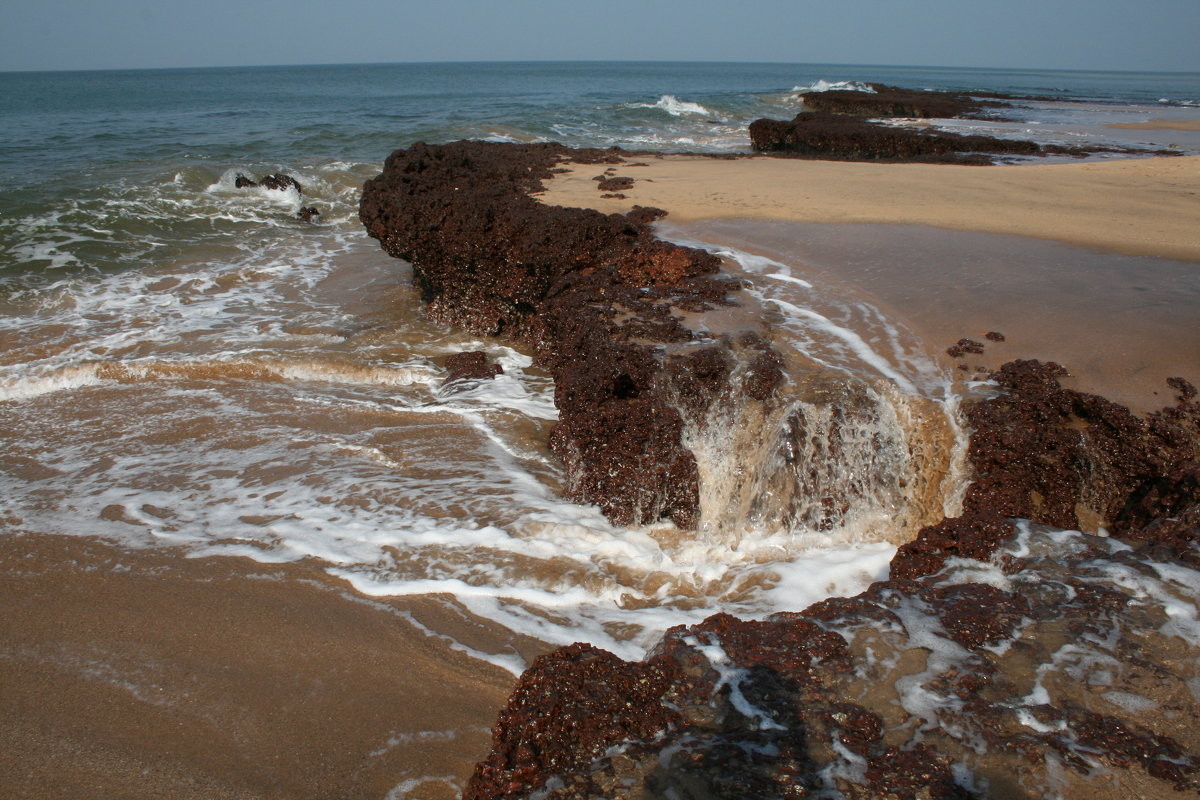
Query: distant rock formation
[[834, 125], [893, 101]]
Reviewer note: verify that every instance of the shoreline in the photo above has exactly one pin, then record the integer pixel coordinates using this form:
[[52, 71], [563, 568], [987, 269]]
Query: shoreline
[[152, 673], [1142, 206]]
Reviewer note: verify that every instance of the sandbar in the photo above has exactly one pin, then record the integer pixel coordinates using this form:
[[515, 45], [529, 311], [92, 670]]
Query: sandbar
[[1135, 206], [1159, 125]]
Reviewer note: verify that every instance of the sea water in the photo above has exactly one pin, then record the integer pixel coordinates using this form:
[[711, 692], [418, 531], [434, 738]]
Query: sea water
[[186, 363]]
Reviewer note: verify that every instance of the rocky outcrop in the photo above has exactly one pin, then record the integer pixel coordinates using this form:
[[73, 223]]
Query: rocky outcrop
[[1001, 659], [834, 125], [1050, 668], [598, 297], [1075, 460], [893, 101], [841, 137]]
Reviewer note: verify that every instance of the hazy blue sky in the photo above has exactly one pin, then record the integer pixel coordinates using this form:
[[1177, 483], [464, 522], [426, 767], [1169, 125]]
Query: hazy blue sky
[[1051, 34]]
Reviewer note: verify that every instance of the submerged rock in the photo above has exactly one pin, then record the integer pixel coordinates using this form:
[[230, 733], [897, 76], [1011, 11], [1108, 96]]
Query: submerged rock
[[1061, 665], [469, 367]]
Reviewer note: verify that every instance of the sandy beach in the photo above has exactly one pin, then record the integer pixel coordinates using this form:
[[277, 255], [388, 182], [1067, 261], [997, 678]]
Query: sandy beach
[[1091, 265], [1146, 206], [147, 674]]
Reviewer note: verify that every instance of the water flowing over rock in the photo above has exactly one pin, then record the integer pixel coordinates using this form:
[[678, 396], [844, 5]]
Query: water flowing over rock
[[1002, 658], [1062, 665], [598, 297], [644, 384]]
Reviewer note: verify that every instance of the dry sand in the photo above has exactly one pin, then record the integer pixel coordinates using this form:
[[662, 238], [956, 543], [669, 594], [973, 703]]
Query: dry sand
[[145, 674], [1145, 206]]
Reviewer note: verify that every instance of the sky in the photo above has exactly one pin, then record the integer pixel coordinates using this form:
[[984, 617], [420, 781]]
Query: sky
[[1153, 35]]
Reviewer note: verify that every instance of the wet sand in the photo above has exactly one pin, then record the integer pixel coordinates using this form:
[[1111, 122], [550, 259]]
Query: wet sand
[[146, 674], [1121, 324], [1145, 206], [1159, 125], [1088, 264]]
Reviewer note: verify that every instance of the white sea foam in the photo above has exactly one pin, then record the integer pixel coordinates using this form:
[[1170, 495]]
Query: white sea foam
[[673, 106], [834, 86]]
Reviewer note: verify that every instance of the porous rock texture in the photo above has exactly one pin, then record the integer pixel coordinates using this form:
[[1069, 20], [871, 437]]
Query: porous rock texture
[[835, 125], [1050, 670], [598, 297], [1001, 659]]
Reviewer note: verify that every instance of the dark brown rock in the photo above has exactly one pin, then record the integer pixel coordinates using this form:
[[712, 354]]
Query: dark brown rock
[[893, 101], [1076, 460], [615, 184], [841, 137], [470, 366], [856, 698], [279, 182], [597, 296]]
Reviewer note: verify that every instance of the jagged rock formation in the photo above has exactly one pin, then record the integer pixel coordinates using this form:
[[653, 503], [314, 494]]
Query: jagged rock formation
[[1075, 460], [598, 297], [834, 125], [893, 101], [999, 660], [1054, 668]]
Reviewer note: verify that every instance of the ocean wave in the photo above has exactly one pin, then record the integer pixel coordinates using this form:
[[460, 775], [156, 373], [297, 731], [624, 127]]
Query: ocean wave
[[76, 376], [834, 86], [673, 106]]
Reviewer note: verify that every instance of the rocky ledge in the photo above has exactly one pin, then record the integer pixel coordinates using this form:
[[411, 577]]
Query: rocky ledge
[[1001, 659], [598, 297], [834, 125], [894, 101]]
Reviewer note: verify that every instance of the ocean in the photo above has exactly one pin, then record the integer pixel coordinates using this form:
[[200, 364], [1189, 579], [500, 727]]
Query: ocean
[[187, 364]]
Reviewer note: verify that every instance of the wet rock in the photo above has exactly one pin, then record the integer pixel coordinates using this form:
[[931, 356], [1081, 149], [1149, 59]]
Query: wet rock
[[308, 213], [841, 137], [279, 182], [893, 101], [1077, 461], [598, 297], [964, 346], [472, 366], [1067, 681]]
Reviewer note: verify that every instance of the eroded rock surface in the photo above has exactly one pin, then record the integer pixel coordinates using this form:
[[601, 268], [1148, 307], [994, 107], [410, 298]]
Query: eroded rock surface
[[1002, 658], [1060, 665], [600, 299], [835, 125]]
